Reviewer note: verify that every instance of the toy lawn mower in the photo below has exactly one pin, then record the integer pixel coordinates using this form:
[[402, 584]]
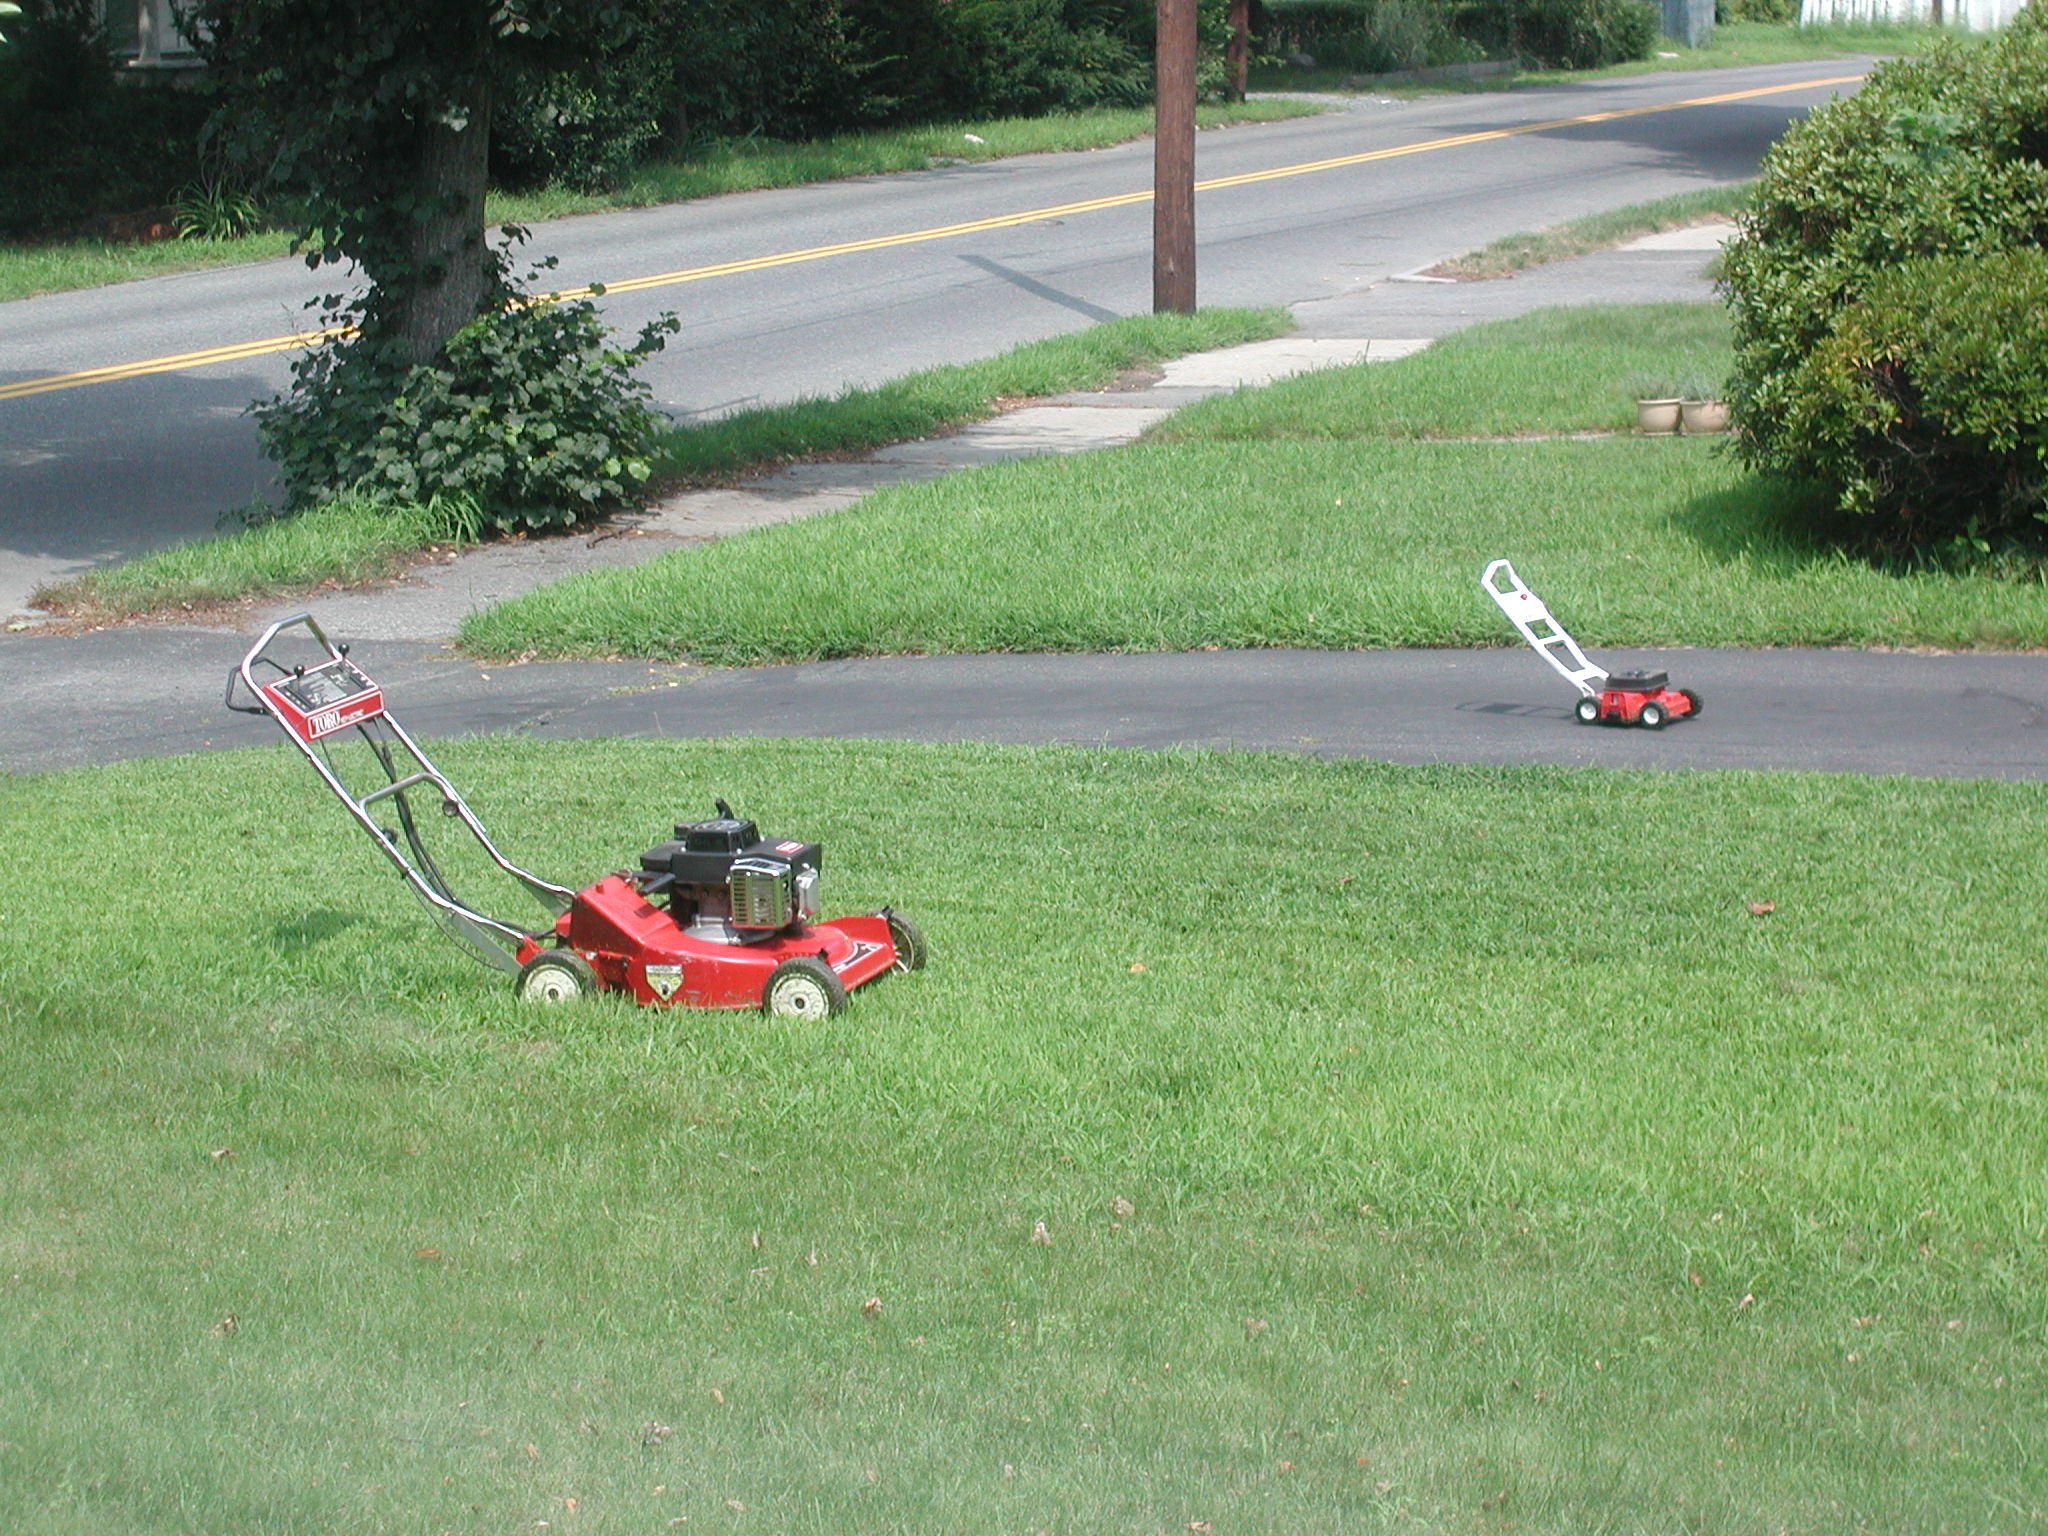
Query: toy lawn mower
[[1605, 698], [717, 917]]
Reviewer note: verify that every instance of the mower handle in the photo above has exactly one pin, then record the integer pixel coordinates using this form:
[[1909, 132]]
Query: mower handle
[[241, 673], [495, 943]]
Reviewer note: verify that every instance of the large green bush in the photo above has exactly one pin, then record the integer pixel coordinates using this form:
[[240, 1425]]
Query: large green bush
[[715, 69], [1929, 399], [1879, 283], [725, 69], [1565, 34], [530, 415], [1370, 36], [924, 60]]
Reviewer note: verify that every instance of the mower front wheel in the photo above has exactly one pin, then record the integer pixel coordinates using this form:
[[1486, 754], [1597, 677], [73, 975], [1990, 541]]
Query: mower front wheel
[[803, 988], [1692, 700], [909, 942], [1652, 717], [555, 976]]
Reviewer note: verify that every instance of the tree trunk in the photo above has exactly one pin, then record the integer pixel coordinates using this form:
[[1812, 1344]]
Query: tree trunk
[[450, 275], [1237, 52]]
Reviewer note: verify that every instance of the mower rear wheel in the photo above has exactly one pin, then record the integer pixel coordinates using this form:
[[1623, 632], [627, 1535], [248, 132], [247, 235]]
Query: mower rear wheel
[[1588, 710], [803, 988], [1652, 717], [909, 942], [555, 976]]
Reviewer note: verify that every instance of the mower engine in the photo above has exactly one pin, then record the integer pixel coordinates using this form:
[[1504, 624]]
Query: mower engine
[[736, 927], [723, 882]]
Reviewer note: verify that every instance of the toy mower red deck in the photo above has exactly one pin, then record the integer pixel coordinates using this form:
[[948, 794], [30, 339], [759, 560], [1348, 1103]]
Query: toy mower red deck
[[1605, 698], [719, 917], [1641, 698]]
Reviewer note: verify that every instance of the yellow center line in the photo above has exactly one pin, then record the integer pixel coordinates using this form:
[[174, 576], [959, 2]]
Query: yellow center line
[[249, 349], [118, 371]]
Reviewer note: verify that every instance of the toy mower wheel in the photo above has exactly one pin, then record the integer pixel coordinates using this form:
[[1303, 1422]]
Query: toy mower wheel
[[803, 988], [909, 942], [1693, 699], [1588, 711], [1652, 717], [555, 976]]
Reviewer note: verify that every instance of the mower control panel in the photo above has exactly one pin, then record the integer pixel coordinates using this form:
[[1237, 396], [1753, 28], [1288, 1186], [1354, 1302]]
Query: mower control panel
[[319, 701]]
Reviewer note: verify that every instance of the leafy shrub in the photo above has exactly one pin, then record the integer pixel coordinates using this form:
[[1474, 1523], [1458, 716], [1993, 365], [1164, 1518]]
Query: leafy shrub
[[1933, 170], [1775, 12], [1566, 34], [1370, 36], [569, 131], [529, 415], [215, 207], [1035, 56], [925, 60], [725, 69], [1927, 403], [711, 69]]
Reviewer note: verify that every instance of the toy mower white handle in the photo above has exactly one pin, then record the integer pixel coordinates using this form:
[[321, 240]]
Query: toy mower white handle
[[1526, 612]]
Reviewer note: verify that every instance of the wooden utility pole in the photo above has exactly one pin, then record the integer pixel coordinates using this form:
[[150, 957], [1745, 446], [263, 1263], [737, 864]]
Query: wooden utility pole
[[1173, 161], [1237, 53]]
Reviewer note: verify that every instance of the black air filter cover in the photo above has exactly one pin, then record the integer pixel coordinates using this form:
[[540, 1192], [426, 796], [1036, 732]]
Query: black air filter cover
[[725, 834]]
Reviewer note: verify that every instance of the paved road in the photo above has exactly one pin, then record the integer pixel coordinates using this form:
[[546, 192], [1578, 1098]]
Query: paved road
[[96, 699], [105, 472]]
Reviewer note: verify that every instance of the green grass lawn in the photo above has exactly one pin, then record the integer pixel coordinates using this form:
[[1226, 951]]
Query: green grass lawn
[[1352, 508], [1415, 1149]]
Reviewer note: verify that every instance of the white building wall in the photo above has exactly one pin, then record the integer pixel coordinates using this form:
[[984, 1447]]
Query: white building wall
[[1974, 15]]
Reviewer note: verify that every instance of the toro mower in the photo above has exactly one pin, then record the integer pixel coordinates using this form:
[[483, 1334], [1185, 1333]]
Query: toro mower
[[716, 917], [1605, 698]]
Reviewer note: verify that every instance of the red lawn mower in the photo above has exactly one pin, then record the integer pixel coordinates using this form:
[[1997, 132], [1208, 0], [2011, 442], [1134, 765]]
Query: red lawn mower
[[1605, 698], [717, 917]]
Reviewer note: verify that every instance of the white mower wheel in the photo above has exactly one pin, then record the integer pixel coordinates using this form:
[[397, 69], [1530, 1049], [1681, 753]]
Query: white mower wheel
[[1652, 717], [908, 940], [1588, 710], [555, 976], [803, 988]]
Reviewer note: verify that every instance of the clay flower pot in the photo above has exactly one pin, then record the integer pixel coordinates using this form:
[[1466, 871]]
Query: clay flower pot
[[1704, 415], [1657, 418]]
